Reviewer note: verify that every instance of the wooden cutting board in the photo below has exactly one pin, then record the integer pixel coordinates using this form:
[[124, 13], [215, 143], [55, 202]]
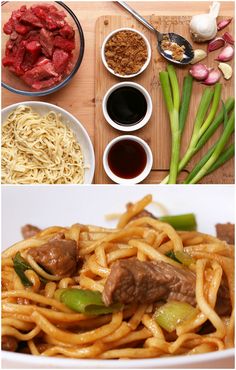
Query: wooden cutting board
[[157, 132]]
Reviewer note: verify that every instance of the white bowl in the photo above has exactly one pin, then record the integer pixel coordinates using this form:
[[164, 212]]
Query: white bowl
[[143, 174], [148, 51], [135, 126], [88, 205], [73, 123]]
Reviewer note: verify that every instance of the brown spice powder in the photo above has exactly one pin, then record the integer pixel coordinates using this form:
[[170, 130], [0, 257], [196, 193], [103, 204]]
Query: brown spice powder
[[177, 50], [126, 52]]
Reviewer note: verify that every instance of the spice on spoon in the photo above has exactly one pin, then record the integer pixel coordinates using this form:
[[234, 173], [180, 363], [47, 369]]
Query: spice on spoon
[[177, 51], [126, 52]]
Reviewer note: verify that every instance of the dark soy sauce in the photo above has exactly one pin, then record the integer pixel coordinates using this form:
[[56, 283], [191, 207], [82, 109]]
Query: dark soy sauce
[[127, 159], [126, 106]]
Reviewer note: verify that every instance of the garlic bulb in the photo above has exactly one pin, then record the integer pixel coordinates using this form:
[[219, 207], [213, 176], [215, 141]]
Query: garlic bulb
[[203, 27]]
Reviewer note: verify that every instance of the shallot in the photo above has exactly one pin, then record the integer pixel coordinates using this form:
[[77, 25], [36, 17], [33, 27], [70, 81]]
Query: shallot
[[215, 44], [226, 54], [226, 69], [212, 78], [228, 38], [199, 71], [224, 23], [203, 27], [199, 55]]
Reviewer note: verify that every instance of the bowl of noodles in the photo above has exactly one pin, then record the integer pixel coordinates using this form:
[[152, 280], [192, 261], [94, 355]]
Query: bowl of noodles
[[44, 144], [94, 308]]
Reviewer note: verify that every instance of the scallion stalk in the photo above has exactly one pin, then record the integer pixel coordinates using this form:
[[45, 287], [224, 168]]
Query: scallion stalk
[[185, 101], [217, 151], [186, 222], [170, 88]]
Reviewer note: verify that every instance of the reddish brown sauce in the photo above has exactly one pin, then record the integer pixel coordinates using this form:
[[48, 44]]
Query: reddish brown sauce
[[127, 159]]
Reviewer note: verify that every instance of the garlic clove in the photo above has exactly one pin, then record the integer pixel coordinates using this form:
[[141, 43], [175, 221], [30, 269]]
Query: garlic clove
[[199, 71], [215, 44], [228, 38], [226, 69], [224, 23], [199, 55], [212, 78], [226, 54]]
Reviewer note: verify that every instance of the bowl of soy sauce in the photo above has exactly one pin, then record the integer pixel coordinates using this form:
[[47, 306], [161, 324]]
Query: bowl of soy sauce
[[127, 159], [127, 106]]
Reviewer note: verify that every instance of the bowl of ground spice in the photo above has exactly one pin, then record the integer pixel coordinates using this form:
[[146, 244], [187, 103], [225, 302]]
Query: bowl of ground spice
[[126, 52]]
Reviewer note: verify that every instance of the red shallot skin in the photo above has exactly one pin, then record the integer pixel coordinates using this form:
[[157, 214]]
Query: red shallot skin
[[199, 71], [213, 77], [226, 54], [228, 38], [224, 23], [216, 44]]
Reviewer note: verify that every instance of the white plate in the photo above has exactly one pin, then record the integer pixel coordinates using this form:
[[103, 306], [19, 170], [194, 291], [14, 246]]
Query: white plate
[[66, 204], [72, 122]]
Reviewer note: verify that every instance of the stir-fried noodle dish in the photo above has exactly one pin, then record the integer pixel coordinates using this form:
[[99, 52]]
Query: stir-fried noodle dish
[[147, 288]]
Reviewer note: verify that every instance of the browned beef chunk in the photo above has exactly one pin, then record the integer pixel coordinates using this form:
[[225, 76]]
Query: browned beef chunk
[[225, 232], [131, 280], [58, 257], [9, 343], [28, 231], [143, 213]]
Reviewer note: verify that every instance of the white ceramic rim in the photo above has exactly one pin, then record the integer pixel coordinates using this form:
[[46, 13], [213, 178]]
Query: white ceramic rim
[[91, 169], [135, 126], [142, 175], [119, 364], [148, 50]]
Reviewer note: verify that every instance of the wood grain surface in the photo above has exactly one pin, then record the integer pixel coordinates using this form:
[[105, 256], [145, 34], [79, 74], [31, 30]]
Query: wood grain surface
[[157, 132], [78, 97]]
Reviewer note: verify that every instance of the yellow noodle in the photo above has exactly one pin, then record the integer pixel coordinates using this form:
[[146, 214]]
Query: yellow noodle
[[40, 149]]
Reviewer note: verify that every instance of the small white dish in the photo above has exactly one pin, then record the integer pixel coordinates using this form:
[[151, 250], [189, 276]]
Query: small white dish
[[73, 123], [144, 65], [142, 175], [136, 126]]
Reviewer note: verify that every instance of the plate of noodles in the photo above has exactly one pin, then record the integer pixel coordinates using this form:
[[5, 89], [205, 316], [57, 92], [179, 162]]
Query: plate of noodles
[[117, 277], [44, 144]]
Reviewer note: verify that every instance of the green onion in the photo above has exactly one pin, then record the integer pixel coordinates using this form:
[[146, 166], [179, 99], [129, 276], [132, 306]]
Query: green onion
[[88, 302], [228, 105], [185, 101], [226, 155], [171, 314], [199, 165], [170, 88], [199, 121], [186, 222], [20, 266], [217, 151], [181, 257], [214, 108]]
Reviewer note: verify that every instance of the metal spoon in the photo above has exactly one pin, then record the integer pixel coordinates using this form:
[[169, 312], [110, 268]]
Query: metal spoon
[[171, 36]]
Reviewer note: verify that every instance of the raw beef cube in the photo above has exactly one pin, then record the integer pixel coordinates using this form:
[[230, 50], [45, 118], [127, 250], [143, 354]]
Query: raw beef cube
[[8, 61], [67, 32], [8, 27], [46, 40], [33, 51], [64, 44], [21, 28], [42, 60], [38, 73], [28, 17], [39, 85], [60, 60], [19, 56]]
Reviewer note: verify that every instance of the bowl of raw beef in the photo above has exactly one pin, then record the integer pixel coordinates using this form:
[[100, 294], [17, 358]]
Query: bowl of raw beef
[[42, 46]]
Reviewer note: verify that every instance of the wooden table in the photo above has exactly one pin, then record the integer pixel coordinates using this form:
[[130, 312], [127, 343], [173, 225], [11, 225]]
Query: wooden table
[[78, 96]]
